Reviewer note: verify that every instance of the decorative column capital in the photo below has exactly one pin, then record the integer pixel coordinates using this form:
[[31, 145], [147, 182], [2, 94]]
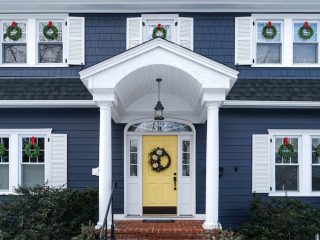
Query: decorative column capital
[[105, 104], [213, 104]]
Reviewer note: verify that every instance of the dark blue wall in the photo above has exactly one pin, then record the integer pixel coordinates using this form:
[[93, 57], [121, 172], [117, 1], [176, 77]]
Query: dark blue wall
[[213, 38]]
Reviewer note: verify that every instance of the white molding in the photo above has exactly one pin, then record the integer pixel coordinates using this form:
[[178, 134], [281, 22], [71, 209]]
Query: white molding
[[132, 6], [47, 104], [124, 217], [269, 104]]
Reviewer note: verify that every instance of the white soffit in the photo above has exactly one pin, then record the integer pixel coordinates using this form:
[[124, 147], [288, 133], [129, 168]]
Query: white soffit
[[113, 6]]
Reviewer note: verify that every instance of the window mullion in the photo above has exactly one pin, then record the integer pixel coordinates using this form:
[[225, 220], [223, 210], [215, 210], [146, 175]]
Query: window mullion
[[305, 172], [14, 162], [287, 41], [31, 41]]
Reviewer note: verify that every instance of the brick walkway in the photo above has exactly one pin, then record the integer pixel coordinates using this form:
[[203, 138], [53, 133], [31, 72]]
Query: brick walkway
[[179, 229]]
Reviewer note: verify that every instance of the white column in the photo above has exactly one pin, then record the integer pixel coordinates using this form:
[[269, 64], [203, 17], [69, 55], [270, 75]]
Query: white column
[[105, 161], [212, 168]]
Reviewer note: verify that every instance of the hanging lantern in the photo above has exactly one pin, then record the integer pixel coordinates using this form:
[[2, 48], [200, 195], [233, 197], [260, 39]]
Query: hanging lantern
[[158, 109]]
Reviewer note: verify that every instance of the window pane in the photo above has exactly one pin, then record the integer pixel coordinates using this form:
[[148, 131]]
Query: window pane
[[268, 53], [50, 53], [133, 158], [32, 175], [286, 178], [186, 158], [297, 37], [315, 143], [159, 126], [23, 38], [186, 146], [14, 53], [133, 170], [58, 25], [133, 146], [315, 178], [261, 38], [4, 176], [305, 53], [185, 170]]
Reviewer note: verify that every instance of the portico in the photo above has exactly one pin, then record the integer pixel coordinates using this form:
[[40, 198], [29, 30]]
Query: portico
[[193, 89]]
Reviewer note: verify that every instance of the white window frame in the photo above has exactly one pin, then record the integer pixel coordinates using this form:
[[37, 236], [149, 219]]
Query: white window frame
[[304, 161], [15, 154], [32, 38], [160, 18], [287, 37]]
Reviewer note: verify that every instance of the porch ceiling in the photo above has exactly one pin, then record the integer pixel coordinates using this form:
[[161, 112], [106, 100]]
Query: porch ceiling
[[189, 82]]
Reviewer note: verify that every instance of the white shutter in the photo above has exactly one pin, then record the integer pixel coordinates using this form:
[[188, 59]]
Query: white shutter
[[58, 161], [260, 163], [134, 32], [186, 32], [243, 41], [76, 40]]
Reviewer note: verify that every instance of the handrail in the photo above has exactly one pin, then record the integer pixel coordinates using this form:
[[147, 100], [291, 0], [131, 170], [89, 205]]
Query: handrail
[[103, 234]]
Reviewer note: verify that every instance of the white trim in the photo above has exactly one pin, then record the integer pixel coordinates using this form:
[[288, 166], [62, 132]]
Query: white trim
[[138, 136], [119, 217], [270, 104], [47, 104]]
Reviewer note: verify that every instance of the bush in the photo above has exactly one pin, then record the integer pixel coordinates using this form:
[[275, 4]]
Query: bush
[[281, 219], [219, 234], [47, 213]]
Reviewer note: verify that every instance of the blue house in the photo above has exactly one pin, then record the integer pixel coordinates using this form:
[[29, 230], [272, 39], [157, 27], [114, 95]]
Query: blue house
[[192, 108]]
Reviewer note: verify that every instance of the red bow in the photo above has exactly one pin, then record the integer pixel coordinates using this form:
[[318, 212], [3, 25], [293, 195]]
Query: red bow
[[159, 26], [33, 140], [286, 141], [306, 25], [269, 24], [50, 24], [13, 24]]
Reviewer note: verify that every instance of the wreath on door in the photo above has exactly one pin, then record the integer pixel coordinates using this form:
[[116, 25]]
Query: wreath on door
[[155, 156]]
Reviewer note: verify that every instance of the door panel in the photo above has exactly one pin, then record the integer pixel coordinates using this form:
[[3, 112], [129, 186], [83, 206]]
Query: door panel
[[158, 187]]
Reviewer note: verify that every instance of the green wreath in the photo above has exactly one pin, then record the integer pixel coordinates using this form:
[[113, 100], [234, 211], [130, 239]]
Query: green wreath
[[50, 31], [302, 32], [32, 150], [160, 29], [286, 152], [317, 149], [2, 150], [265, 32], [155, 159], [13, 32]]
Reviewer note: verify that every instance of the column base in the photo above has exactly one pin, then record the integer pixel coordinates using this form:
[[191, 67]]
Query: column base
[[210, 225], [99, 225]]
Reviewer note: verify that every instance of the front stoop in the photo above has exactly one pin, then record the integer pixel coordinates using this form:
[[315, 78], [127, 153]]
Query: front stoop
[[180, 229]]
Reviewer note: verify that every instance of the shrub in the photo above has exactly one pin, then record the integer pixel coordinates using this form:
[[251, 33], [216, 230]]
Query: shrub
[[47, 213], [281, 219], [88, 232], [219, 234]]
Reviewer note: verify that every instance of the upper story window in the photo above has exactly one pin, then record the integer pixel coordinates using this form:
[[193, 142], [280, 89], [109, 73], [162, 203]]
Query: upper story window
[[167, 26], [41, 40], [277, 40]]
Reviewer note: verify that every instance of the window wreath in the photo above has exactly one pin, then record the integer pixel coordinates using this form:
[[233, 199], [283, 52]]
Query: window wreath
[[286, 150], [2, 150], [155, 159], [269, 31], [317, 149], [32, 149], [306, 31], [159, 31], [13, 32], [50, 31]]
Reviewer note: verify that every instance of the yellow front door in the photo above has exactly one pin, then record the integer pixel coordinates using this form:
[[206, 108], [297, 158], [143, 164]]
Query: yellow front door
[[159, 192]]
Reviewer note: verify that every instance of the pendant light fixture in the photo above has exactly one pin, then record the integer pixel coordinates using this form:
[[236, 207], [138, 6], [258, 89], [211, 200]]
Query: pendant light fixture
[[158, 109]]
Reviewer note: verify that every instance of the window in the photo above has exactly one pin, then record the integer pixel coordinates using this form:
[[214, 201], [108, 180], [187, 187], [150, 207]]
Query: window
[[305, 50], [33, 167], [186, 151], [159, 126], [50, 50], [269, 50], [133, 158], [14, 51], [315, 164], [287, 170], [4, 164]]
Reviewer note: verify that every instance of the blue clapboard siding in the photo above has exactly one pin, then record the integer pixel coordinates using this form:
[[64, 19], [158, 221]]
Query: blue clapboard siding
[[82, 127], [213, 38]]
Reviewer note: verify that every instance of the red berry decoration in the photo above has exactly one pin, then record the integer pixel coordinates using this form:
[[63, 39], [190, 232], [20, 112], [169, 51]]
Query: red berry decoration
[[13, 24]]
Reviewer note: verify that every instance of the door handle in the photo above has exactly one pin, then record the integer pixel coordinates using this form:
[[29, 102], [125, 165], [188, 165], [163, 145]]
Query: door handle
[[175, 181]]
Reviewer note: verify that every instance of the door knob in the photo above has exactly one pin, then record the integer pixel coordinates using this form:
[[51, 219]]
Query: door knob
[[175, 181]]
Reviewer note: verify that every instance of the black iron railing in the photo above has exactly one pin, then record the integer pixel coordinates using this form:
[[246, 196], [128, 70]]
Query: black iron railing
[[104, 229]]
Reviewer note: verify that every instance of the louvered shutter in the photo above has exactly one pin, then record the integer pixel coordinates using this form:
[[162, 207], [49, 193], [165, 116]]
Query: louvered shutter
[[186, 32], [243, 41], [260, 163], [134, 32], [76, 40], [58, 170]]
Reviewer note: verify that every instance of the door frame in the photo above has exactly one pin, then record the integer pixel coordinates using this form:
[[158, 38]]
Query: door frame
[[138, 180]]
